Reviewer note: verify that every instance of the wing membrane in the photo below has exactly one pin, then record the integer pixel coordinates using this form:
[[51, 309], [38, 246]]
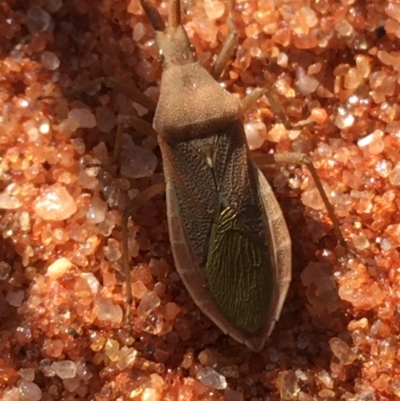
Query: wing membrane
[[237, 273]]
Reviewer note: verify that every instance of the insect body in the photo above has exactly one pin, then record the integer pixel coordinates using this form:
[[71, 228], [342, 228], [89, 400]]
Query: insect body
[[229, 239]]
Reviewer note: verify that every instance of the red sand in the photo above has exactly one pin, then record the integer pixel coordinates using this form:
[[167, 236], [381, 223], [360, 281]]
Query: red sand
[[62, 295]]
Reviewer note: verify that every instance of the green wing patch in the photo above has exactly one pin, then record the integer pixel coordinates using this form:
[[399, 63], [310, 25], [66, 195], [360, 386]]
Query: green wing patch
[[238, 273]]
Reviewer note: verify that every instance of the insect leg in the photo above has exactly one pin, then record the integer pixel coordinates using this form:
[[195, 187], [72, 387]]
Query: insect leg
[[131, 91], [128, 89], [133, 207], [142, 126], [174, 15], [257, 93], [153, 15], [139, 124], [301, 158], [229, 46]]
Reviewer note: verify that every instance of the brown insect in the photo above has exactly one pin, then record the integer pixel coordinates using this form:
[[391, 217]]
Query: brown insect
[[228, 236]]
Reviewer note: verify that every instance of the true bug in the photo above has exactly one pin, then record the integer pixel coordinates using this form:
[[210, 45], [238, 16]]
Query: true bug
[[229, 239], [228, 236]]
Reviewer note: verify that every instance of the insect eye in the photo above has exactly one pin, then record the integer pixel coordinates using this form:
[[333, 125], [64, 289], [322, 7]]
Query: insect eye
[[160, 58]]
